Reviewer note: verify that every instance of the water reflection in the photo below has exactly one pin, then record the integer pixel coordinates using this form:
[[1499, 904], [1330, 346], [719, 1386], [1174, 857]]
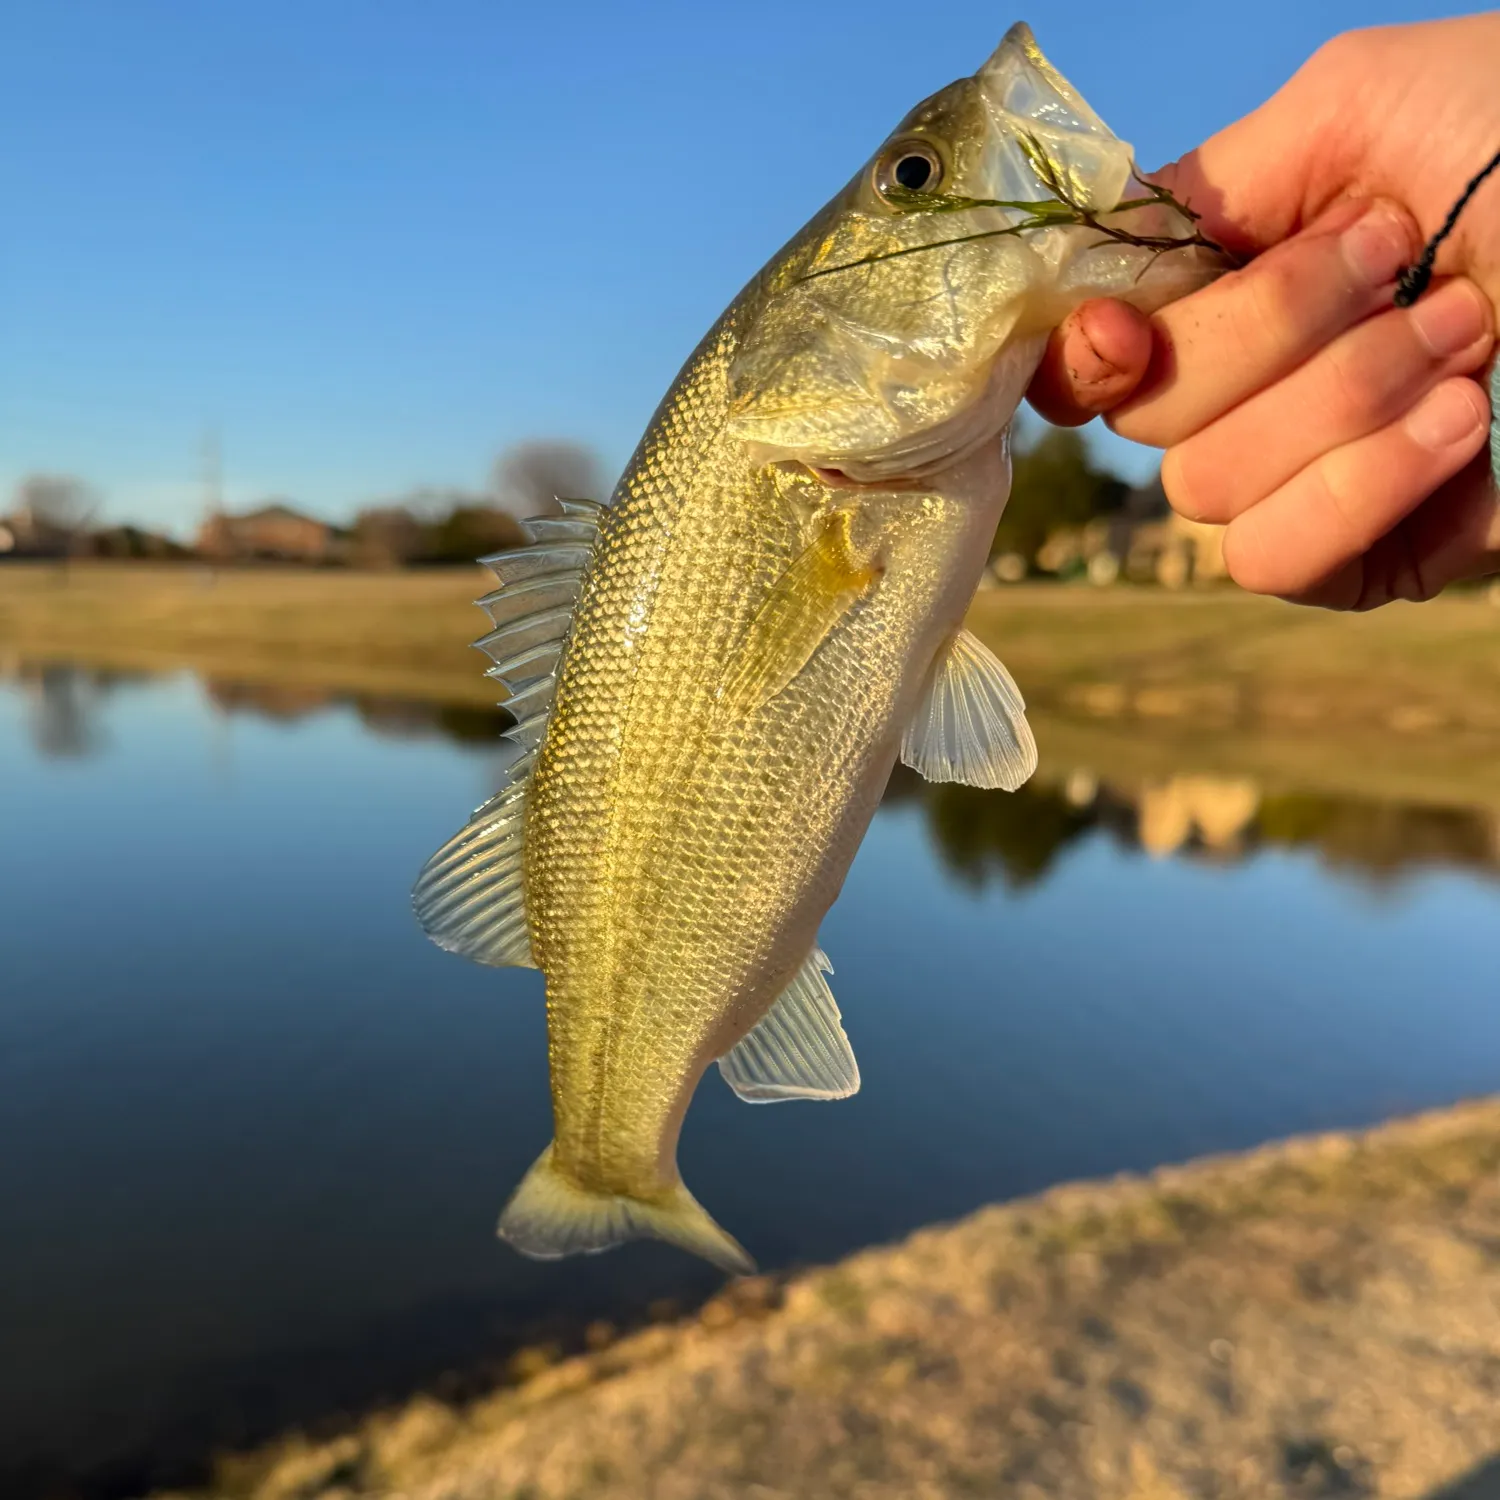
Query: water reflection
[[981, 836], [1018, 839], [68, 704], [62, 707], [394, 718], [244, 1088]]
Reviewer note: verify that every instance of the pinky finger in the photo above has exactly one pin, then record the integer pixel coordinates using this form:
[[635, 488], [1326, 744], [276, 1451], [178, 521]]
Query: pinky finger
[[1305, 540]]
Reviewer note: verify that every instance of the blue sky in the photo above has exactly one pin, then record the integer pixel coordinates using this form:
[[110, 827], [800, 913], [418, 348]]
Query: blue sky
[[373, 243]]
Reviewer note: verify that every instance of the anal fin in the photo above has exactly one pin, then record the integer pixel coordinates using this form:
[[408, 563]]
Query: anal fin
[[798, 1049], [971, 723]]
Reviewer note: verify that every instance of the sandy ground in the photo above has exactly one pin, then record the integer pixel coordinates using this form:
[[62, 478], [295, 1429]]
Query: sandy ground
[[1320, 1318]]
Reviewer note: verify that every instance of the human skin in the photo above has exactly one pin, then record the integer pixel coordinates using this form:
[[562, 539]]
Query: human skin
[[1340, 440]]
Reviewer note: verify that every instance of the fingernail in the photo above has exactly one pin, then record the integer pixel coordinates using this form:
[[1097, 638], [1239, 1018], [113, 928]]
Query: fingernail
[[1085, 364], [1377, 245], [1446, 417], [1340, 214], [1450, 319]]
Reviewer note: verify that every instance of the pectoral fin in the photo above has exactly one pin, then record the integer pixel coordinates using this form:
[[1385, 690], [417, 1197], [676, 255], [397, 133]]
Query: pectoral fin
[[798, 1050], [971, 724], [803, 607]]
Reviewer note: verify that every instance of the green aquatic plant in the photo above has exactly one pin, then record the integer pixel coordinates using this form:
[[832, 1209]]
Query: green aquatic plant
[[1064, 206]]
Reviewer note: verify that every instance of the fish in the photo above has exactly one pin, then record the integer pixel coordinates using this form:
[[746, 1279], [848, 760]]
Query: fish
[[713, 675]]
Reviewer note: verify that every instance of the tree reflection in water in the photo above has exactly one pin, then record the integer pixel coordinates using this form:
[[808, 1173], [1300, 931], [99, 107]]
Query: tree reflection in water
[[1016, 838], [63, 706]]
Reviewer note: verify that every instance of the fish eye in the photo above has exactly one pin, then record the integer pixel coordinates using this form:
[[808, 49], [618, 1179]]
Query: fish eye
[[909, 166]]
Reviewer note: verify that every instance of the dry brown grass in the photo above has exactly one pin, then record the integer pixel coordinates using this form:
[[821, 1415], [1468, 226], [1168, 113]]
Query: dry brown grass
[[1402, 703], [1318, 1318], [401, 633]]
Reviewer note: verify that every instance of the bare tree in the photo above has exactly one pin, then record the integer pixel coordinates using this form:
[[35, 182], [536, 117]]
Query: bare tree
[[430, 503], [386, 536], [530, 477], [61, 502]]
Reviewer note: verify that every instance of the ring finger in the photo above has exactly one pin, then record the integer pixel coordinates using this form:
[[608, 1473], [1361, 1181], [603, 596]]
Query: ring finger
[[1363, 380], [1296, 540]]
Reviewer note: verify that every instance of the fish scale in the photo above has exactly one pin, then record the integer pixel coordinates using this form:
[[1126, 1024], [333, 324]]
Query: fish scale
[[770, 612], [686, 882]]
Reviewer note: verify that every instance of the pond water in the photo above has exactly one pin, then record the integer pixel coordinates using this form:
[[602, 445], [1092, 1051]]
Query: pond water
[[256, 1130]]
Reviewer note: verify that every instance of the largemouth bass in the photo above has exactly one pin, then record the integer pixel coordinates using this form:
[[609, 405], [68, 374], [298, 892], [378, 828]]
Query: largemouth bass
[[714, 675]]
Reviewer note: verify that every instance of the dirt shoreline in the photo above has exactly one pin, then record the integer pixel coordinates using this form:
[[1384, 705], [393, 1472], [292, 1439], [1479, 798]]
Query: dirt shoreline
[[1314, 1318]]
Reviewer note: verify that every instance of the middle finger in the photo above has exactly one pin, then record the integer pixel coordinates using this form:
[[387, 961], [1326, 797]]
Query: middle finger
[[1219, 346]]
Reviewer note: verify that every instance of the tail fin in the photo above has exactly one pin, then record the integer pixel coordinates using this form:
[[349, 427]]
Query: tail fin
[[550, 1216]]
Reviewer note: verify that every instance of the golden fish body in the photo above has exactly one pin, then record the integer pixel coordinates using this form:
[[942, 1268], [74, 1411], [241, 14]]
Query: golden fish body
[[769, 613], [679, 855]]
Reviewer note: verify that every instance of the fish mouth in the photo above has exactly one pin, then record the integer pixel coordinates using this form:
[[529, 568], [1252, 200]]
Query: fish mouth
[[837, 479]]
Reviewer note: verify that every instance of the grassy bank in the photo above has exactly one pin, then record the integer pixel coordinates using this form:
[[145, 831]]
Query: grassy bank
[[1402, 703], [1315, 1318], [399, 633]]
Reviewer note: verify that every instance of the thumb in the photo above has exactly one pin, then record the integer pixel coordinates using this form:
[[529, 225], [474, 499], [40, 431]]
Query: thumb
[[1271, 173]]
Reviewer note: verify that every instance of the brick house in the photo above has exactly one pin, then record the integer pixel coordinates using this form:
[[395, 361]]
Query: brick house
[[273, 533]]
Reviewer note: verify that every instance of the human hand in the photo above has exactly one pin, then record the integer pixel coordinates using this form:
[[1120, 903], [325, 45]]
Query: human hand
[[1340, 440]]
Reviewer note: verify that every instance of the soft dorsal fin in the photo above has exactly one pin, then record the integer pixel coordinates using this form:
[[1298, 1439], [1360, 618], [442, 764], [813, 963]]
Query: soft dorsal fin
[[469, 897], [798, 1050], [971, 723]]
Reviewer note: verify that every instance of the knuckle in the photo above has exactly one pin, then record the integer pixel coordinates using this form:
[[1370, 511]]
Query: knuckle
[[1195, 491], [1250, 562], [1335, 487], [1274, 301], [1331, 56], [1358, 388], [1344, 54]]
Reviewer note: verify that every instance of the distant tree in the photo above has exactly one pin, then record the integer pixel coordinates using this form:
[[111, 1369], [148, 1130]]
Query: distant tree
[[530, 477], [59, 505], [431, 503], [471, 531], [416, 531], [131, 542], [1055, 484], [386, 536]]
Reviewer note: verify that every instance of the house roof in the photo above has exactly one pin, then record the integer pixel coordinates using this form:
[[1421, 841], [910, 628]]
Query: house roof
[[276, 511]]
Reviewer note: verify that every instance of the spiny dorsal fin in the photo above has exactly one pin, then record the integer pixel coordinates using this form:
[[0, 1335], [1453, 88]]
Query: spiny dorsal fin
[[971, 723], [798, 1050], [469, 897]]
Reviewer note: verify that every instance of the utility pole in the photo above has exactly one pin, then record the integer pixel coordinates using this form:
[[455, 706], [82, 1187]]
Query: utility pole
[[213, 474]]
